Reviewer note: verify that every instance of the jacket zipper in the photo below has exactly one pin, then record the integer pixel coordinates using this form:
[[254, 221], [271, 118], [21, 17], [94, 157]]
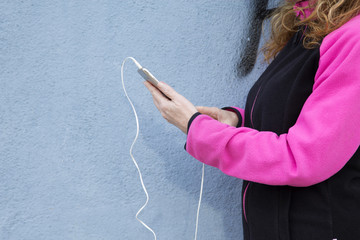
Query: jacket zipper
[[248, 184], [244, 197], [252, 108]]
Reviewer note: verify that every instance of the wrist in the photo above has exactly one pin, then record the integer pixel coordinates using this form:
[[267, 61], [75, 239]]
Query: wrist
[[236, 116]]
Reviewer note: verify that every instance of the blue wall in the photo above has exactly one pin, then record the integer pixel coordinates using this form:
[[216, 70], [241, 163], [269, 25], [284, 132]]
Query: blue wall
[[66, 126]]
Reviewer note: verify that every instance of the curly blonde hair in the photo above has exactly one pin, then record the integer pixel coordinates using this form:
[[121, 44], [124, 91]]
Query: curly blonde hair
[[327, 16]]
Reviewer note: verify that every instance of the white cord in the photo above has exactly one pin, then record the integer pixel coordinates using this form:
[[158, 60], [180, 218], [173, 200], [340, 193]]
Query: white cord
[[132, 145], [137, 166], [199, 204]]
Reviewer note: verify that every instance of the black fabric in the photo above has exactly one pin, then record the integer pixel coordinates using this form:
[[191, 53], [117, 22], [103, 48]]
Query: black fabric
[[237, 113], [189, 123], [325, 211]]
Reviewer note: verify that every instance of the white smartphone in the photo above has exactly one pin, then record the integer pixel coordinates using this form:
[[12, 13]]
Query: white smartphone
[[146, 74]]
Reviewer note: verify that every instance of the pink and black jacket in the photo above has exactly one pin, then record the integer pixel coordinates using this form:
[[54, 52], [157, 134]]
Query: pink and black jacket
[[297, 142]]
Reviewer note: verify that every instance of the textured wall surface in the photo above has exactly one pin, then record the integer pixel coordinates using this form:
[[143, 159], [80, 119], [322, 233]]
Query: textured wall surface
[[66, 126]]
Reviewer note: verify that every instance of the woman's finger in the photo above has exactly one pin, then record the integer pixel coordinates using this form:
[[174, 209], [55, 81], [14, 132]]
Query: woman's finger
[[211, 111], [167, 90], [149, 86], [157, 95], [202, 109], [205, 110], [153, 90]]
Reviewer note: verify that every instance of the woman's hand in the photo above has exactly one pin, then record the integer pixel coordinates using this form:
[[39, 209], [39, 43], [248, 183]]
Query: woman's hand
[[224, 116], [176, 111]]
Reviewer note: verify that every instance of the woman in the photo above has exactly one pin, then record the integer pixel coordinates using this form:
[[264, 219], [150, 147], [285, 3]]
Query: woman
[[296, 143]]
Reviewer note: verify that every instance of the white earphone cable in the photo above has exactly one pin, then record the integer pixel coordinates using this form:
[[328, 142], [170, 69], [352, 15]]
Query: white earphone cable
[[131, 148], [199, 204], [137, 166]]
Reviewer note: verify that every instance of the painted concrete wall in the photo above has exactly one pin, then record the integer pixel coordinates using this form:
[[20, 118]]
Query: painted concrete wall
[[66, 126]]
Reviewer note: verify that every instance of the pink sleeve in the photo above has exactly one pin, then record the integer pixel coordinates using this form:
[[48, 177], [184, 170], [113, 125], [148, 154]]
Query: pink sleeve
[[324, 137]]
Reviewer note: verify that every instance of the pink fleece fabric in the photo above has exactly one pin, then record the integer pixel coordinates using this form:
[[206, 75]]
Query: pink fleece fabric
[[325, 136]]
